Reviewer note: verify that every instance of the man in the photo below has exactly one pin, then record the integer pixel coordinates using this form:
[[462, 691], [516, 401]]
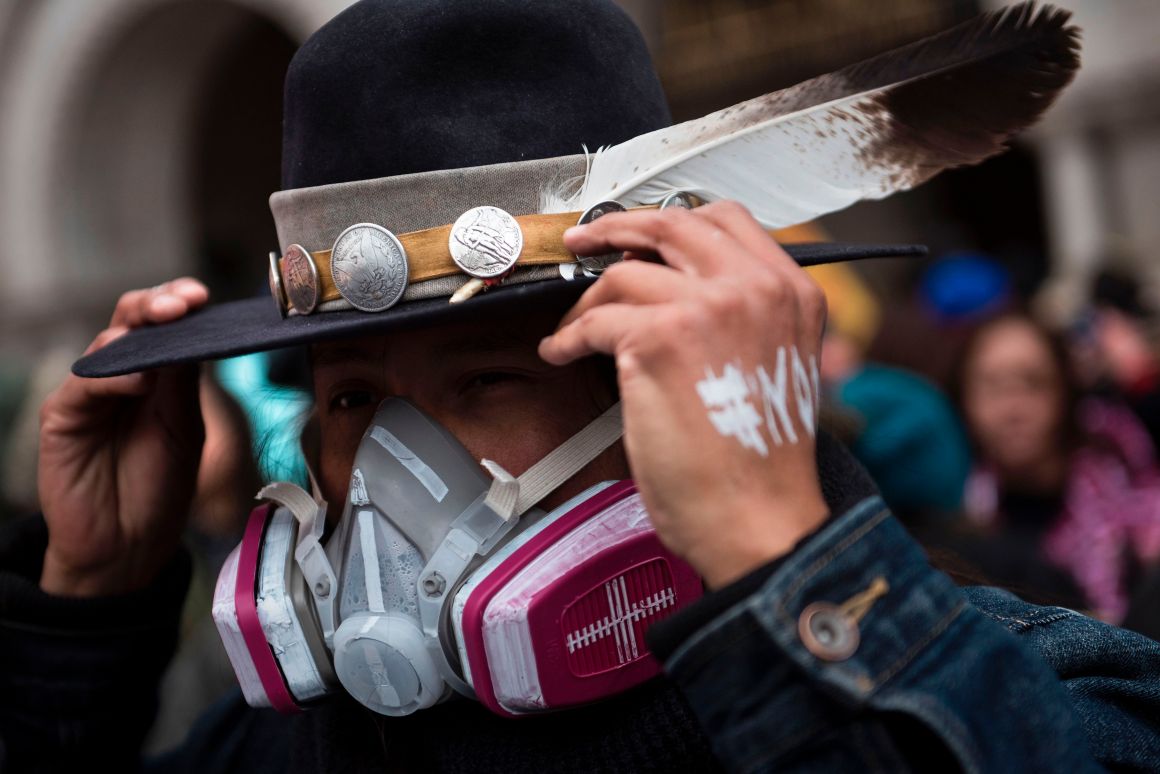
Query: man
[[825, 640]]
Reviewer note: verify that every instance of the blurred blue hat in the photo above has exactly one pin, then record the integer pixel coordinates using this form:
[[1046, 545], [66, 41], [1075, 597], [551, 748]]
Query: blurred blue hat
[[965, 286]]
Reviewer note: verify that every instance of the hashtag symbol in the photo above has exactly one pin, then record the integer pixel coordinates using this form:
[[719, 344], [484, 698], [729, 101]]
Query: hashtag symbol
[[727, 398]]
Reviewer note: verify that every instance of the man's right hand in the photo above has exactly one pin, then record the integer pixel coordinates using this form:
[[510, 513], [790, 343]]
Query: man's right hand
[[118, 460]]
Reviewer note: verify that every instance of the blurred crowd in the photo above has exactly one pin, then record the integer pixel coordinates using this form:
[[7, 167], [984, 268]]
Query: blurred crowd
[[1021, 454]]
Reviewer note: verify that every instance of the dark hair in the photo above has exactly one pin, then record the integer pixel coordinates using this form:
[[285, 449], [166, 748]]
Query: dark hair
[[1119, 290]]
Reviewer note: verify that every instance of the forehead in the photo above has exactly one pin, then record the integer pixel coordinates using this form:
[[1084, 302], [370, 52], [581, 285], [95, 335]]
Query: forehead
[[1013, 336], [1013, 345]]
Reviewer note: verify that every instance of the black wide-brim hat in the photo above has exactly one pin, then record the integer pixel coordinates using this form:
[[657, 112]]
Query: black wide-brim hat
[[406, 114]]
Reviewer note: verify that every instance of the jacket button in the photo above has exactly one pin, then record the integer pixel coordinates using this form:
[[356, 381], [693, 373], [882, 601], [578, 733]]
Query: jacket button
[[827, 632]]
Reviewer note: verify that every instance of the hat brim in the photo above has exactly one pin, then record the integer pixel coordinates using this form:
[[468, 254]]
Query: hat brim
[[253, 325]]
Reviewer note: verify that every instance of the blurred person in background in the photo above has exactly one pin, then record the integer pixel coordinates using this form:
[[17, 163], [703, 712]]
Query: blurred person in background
[[933, 309], [1114, 346], [898, 424], [958, 292], [1069, 479], [1112, 349]]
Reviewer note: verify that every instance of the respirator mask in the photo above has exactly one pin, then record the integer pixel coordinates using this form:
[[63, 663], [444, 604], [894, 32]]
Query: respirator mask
[[442, 578]]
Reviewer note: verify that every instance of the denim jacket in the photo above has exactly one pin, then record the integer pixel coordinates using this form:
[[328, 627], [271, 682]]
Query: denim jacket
[[898, 669], [975, 676]]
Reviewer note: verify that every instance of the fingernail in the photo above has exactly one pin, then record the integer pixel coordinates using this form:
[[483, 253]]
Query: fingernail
[[573, 231]]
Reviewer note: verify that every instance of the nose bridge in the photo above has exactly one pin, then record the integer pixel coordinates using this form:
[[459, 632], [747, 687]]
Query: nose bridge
[[1012, 401], [407, 372], [415, 473]]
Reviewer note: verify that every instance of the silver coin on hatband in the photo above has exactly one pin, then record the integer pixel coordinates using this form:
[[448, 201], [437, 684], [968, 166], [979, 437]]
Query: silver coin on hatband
[[300, 277], [594, 264], [369, 267], [485, 242], [678, 199], [276, 289]]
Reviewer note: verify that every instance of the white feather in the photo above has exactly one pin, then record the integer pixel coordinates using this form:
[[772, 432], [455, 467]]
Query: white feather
[[864, 132], [786, 169]]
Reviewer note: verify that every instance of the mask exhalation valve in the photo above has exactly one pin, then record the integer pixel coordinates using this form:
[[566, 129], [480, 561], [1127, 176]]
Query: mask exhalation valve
[[382, 661]]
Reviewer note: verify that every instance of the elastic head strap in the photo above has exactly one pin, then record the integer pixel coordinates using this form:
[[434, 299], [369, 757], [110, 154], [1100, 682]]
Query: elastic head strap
[[511, 497]]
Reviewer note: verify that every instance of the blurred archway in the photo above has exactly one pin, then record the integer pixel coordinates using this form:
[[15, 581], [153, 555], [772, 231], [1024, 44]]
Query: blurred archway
[[176, 148], [141, 141], [235, 158]]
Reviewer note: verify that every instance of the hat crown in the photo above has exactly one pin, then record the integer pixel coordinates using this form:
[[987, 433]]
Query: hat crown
[[391, 87]]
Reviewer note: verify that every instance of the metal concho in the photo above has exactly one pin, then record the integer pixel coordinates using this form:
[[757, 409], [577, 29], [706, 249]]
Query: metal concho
[[681, 199], [594, 264], [276, 289], [300, 276], [485, 242], [369, 267]]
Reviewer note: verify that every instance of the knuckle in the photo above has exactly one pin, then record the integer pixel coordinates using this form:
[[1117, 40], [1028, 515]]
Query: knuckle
[[812, 301], [771, 288], [617, 276], [103, 338], [768, 284], [729, 207], [598, 226], [586, 321], [674, 214], [672, 221], [724, 300], [129, 299], [628, 365], [778, 252], [683, 322], [590, 298]]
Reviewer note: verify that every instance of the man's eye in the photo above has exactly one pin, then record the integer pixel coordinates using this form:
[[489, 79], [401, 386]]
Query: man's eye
[[351, 399], [488, 379]]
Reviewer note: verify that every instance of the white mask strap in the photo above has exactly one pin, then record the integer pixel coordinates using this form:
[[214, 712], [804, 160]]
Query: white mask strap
[[511, 497]]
